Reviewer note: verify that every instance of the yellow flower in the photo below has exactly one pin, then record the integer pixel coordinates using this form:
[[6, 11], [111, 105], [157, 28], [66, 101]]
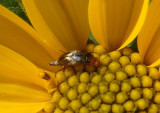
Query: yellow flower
[[115, 24], [26, 51], [63, 25]]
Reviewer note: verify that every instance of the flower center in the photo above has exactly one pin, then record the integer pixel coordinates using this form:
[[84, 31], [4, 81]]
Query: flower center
[[121, 83]]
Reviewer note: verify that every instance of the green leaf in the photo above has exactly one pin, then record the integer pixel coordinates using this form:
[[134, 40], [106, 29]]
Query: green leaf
[[133, 45], [92, 40], [15, 6]]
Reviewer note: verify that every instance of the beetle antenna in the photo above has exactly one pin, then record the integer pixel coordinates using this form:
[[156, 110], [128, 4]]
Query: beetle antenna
[[104, 58], [62, 51]]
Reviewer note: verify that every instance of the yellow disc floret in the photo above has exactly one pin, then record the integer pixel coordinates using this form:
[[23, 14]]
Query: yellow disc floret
[[90, 47], [72, 94], [50, 107], [135, 82], [127, 51], [56, 96], [147, 93], [105, 59], [135, 94], [142, 104], [141, 69], [84, 110], [82, 88], [114, 87], [84, 77], [96, 79], [115, 55], [136, 58], [94, 104], [153, 108], [73, 81], [64, 87], [126, 86], [68, 111], [105, 108], [108, 98], [157, 98], [85, 98], [114, 66], [93, 90], [130, 70], [121, 97], [69, 71], [109, 77], [120, 75], [117, 108], [102, 70], [75, 105], [60, 77], [103, 87], [154, 73], [63, 103], [99, 49], [129, 106], [146, 81], [58, 110], [157, 85], [124, 60]]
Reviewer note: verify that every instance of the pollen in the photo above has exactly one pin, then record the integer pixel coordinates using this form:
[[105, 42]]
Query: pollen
[[120, 84]]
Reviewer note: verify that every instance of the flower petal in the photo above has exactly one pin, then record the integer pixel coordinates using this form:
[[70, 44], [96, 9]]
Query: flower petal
[[19, 80], [16, 91], [60, 22], [115, 23], [22, 38], [149, 37], [12, 107]]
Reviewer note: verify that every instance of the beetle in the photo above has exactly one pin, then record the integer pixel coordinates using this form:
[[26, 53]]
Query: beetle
[[76, 57]]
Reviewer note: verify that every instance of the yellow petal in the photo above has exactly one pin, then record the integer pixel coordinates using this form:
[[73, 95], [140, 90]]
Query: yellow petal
[[22, 38], [13, 65], [62, 23], [16, 91], [115, 23], [19, 80], [149, 37], [12, 107]]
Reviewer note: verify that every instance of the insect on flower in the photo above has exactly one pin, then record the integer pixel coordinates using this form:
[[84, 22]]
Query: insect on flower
[[75, 57]]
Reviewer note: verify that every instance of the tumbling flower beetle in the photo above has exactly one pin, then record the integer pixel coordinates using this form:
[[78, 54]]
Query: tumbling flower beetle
[[76, 57]]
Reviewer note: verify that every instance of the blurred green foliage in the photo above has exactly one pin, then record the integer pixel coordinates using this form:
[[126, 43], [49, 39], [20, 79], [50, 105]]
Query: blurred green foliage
[[133, 45], [15, 6], [92, 39]]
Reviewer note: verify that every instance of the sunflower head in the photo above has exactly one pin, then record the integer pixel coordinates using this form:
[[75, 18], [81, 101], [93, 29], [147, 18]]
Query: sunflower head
[[114, 78], [121, 83]]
